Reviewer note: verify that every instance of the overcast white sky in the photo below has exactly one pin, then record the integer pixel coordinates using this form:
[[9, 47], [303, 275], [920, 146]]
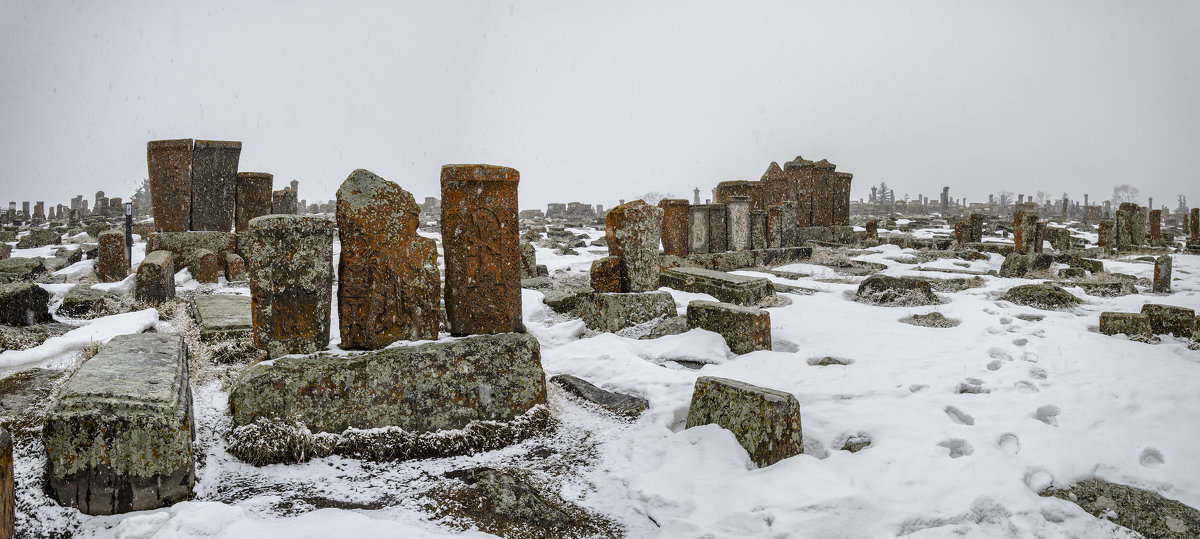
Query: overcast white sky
[[598, 101]]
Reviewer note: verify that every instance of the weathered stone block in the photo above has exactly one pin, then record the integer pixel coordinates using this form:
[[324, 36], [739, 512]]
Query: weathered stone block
[[155, 278], [112, 261], [606, 274], [674, 225], [633, 231], [283, 202], [21, 269], [615, 311], [758, 230], [745, 329], [253, 197], [170, 167], [5, 251], [718, 228], [617, 403], [39, 238], [119, 437], [481, 241], [895, 291], [436, 386], [291, 283], [764, 421], [739, 225], [1162, 275], [235, 268], [23, 304], [1170, 320], [185, 245], [214, 184], [8, 509], [528, 260], [726, 287], [83, 301], [204, 266], [1041, 296], [697, 229], [1131, 324], [223, 317], [389, 287]]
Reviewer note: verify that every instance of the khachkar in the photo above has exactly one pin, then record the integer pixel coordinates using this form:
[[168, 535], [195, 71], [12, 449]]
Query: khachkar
[[291, 280], [388, 282], [170, 168], [253, 198], [481, 241], [674, 226], [214, 184]]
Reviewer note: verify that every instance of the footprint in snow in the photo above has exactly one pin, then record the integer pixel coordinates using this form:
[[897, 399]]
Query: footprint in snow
[[1151, 458], [1030, 357], [1021, 341], [994, 365], [959, 416], [1009, 443], [1005, 320], [1037, 373], [1025, 386], [999, 353], [1048, 414], [957, 446]]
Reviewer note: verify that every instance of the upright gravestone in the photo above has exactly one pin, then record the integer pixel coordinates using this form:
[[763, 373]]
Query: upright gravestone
[[873, 229], [1108, 234], [1194, 224], [789, 224], [675, 226], [758, 229], [481, 242], [291, 280], [253, 197], [112, 262], [283, 202], [976, 234], [1162, 274], [388, 281], [738, 215], [1139, 226], [170, 169], [774, 227], [697, 229], [632, 232], [1155, 228], [718, 228], [214, 184]]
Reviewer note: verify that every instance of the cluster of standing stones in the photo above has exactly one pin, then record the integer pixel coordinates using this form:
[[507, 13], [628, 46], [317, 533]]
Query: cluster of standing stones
[[120, 436]]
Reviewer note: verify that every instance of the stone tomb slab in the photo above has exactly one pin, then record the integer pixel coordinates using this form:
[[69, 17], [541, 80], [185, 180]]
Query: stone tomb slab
[[119, 438], [222, 317], [727, 287]]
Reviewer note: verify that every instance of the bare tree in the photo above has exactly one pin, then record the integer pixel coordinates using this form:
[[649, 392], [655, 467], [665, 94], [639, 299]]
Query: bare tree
[[1042, 198], [1006, 198], [1124, 193], [1182, 209], [653, 197]]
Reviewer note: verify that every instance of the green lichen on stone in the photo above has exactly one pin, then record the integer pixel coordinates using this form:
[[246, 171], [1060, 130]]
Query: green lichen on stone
[[1170, 320], [613, 312], [766, 422], [435, 386], [222, 317], [745, 329], [1131, 324], [726, 287], [1041, 296], [1142, 511], [895, 291]]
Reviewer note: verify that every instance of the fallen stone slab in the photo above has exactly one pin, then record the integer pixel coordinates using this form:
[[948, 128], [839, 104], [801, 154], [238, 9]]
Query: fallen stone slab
[[1103, 289], [83, 301], [435, 386], [119, 437], [1131, 324], [745, 329], [617, 403], [14, 270], [726, 287], [1041, 296], [22, 390], [39, 238], [766, 422], [895, 291], [23, 304], [1140, 510], [222, 317], [185, 245], [1170, 320]]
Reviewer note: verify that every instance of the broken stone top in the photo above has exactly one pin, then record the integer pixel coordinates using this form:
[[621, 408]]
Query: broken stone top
[[364, 189], [107, 375], [173, 143], [674, 202], [798, 162], [824, 164], [230, 144], [483, 173]]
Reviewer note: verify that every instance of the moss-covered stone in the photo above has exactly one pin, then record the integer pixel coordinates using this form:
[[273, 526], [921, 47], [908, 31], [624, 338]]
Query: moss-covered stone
[[606, 274], [291, 283], [222, 317], [764, 421], [931, 320], [119, 438], [21, 269], [1101, 288], [1041, 296], [726, 287], [155, 278], [23, 304], [83, 301], [436, 386], [613, 312], [1170, 320], [671, 325], [39, 238], [185, 244], [1131, 324], [1142, 511], [745, 329], [895, 291], [1015, 265], [1072, 273], [1162, 275]]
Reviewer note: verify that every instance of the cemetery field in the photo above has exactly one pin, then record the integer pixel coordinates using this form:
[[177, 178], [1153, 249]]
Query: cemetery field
[[958, 425]]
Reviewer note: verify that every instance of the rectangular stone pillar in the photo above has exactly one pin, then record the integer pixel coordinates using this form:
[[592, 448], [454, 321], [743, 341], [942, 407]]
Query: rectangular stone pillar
[[1155, 228], [698, 229], [718, 228], [1194, 224], [789, 228], [774, 227], [170, 168], [738, 219], [253, 198], [214, 184], [674, 226], [1108, 234], [758, 229], [291, 283], [283, 202], [481, 242]]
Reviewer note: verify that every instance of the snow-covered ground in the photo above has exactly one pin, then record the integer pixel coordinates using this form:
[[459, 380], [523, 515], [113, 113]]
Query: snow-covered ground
[[966, 425]]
